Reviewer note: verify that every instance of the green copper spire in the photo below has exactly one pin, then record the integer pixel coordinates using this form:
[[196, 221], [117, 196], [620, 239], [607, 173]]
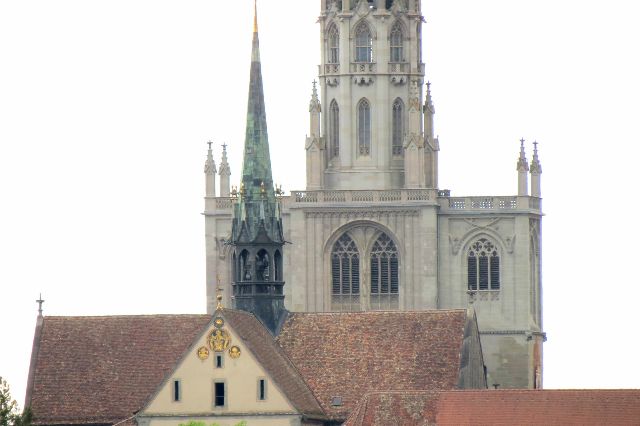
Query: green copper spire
[[257, 204]]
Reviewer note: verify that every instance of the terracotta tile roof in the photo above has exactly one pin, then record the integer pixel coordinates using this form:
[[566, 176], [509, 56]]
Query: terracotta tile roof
[[400, 408], [351, 354], [274, 360], [103, 369], [539, 407]]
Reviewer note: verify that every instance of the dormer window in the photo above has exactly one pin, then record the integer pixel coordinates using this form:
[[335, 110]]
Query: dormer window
[[364, 44]]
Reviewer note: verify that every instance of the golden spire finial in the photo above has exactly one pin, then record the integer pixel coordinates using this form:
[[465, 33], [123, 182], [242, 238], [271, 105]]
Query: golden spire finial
[[255, 16], [219, 289]]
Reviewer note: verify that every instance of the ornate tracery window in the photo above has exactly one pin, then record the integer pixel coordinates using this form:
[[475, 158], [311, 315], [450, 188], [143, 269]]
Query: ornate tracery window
[[345, 275], [334, 129], [364, 44], [483, 266], [397, 126], [396, 43], [333, 56], [384, 274], [364, 127]]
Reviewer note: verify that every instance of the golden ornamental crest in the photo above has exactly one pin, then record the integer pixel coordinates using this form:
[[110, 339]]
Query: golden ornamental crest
[[219, 340]]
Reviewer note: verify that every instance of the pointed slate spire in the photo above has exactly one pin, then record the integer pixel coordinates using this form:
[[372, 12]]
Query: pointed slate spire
[[256, 211], [257, 236]]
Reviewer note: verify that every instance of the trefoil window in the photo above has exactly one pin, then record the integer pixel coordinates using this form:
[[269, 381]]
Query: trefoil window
[[483, 266], [345, 274], [384, 274]]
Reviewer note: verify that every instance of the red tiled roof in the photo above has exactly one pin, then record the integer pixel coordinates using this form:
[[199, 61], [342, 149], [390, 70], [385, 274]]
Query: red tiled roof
[[103, 369], [539, 407], [351, 354], [273, 360], [399, 408]]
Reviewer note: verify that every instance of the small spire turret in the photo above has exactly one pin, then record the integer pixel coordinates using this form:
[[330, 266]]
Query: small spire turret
[[536, 171], [522, 167], [225, 173], [210, 173]]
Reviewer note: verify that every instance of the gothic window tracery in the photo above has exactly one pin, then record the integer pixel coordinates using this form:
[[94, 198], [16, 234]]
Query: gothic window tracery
[[396, 43], [334, 129], [364, 127], [334, 45], [397, 127], [345, 274], [364, 43], [384, 274], [483, 266]]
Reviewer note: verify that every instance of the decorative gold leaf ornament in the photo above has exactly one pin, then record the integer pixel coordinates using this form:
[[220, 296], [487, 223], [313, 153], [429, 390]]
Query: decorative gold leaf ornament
[[219, 340], [234, 352], [203, 352]]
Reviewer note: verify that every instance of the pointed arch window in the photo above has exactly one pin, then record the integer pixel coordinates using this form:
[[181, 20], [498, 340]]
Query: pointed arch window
[[345, 275], [364, 127], [334, 45], [364, 44], [384, 274], [396, 43], [397, 127], [334, 129], [483, 266]]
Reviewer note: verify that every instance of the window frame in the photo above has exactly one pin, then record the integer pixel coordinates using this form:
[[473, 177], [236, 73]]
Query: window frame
[[483, 259], [398, 124], [345, 256], [396, 44], [363, 127], [176, 390], [261, 393], [334, 129], [333, 50], [363, 44], [225, 401]]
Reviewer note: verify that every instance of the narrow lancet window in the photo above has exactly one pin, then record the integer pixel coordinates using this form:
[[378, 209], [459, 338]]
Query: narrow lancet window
[[334, 129], [364, 44], [396, 43], [483, 266], [364, 127], [384, 274], [397, 127], [334, 45], [345, 275]]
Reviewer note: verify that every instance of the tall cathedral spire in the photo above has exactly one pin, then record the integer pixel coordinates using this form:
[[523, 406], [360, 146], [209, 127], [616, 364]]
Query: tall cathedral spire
[[257, 227]]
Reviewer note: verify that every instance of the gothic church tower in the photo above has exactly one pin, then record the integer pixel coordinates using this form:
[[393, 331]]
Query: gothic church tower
[[372, 230]]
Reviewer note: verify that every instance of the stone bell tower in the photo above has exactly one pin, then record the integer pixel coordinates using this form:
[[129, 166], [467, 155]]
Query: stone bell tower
[[371, 79], [256, 234]]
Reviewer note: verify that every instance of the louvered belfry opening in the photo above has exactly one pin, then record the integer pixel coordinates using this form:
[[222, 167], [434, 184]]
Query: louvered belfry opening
[[483, 266], [384, 274], [345, 275]]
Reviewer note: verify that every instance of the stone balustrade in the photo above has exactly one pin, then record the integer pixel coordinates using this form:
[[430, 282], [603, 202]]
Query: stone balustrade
[[395, 196]]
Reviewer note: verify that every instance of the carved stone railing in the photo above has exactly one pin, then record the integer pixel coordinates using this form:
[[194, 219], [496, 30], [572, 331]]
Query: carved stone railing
[[364, 196], [331, 69], [402, 67], [483, 203], [363, 67]]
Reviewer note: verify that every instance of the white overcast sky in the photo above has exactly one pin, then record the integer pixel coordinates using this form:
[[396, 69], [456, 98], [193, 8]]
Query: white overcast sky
[[105, 108]]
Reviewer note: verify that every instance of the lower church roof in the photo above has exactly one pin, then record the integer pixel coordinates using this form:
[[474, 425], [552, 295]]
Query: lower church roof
[[102, 370]]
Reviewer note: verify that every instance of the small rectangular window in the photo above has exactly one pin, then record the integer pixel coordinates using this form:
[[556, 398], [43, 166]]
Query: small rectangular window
[[262, 390], [218, 361], [219, 394], [176, 391]]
